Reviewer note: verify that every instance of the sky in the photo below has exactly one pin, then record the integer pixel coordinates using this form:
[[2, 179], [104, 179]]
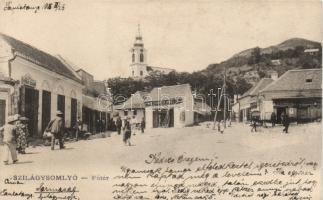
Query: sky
[[96, 35]]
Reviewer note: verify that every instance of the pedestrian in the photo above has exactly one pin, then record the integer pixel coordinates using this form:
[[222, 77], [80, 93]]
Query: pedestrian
[[98, 126], [253, 124], [56, 127], [273, 119], [9, 140], [78, 128], [221, 126], [22, 134], [133, 123], [119, 125], [127, 132], [143, 125], [285, 119]]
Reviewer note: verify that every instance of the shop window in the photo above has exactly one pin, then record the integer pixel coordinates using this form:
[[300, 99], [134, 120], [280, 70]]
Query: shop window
[[2, 112]]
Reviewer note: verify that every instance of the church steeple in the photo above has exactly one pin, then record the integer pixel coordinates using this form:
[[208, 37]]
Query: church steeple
[[138, 56]]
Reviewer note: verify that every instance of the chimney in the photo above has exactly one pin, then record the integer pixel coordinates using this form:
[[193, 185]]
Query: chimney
[[274, 75]]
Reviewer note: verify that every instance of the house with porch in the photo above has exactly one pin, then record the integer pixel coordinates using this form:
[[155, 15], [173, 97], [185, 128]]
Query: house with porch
[[36, 84], [134, 107], [245, 104], [297, 93], [96, 108], [170, 106]]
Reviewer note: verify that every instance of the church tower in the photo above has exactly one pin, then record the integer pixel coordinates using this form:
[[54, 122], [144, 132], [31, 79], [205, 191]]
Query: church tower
[[138, 57]]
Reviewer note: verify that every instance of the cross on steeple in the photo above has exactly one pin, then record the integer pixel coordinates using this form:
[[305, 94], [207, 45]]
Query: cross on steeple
[[138, 29]]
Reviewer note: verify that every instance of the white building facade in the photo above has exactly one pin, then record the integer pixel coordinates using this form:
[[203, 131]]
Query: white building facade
[[170, 106], [42, 85]]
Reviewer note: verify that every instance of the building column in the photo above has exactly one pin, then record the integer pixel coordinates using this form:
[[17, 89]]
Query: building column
[[149, 118], [67, 111], [40, 112]]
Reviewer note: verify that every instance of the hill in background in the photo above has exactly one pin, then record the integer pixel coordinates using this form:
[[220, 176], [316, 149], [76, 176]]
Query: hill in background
[[244, 69], [255, 63]]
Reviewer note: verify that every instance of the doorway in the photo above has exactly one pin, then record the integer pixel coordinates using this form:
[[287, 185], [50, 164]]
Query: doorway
[[61, 104], [2, 112], [29, 108], [163, 118], [73, 112], [280, 111], [46, 109]]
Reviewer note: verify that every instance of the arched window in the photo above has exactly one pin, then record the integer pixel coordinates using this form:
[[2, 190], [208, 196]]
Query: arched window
[[141, 57], [133, 57]]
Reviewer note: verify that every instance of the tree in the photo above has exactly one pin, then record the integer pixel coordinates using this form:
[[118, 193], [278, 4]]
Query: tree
[[255, 56], [241, 86]]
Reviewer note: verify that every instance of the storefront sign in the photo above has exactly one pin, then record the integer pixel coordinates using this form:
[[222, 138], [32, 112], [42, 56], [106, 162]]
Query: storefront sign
[[28, 80]]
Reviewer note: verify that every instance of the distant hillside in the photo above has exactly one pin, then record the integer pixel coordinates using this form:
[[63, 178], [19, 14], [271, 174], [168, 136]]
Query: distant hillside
[[255, 63], [243, 70]]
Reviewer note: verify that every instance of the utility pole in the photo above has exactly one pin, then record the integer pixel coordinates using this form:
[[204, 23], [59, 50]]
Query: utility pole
[[218, 107], [224, 98], [109, 93]]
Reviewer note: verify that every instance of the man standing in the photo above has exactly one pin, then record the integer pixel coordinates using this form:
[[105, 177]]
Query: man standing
[[273, 119], [78, 128], [253, 124], [285, 123], [143, 125], [56, 127], [9, 139], [119, 125]]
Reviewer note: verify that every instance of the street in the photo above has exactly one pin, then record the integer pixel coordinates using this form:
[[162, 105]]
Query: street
[[101, 158], [236, 143]]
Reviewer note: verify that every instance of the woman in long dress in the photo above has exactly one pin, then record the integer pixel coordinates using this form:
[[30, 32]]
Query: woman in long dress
[[127, 132], [22, 134]]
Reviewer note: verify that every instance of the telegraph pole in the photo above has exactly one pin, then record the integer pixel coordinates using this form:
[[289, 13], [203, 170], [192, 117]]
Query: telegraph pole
[[224, 98], [217, 108]]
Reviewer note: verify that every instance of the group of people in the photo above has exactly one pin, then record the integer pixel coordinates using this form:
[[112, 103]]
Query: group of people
[[14, 136], [273, 119], [15, 132], [129, 127]]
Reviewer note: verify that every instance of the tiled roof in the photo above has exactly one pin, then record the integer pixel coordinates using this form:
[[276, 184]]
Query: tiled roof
[[202, 108], [99, 87], [152, 68], [171, 92], [297, 80], [256, 88], [135, 101], [39, 57]]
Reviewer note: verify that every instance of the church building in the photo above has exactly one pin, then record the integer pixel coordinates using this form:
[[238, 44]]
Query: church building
[[139, 67]]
